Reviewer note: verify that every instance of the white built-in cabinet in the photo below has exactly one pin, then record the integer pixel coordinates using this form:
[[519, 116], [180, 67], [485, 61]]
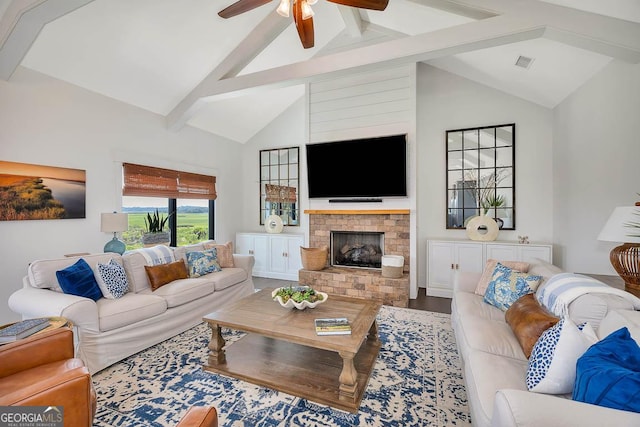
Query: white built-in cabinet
[[277, 256], [445, 258]]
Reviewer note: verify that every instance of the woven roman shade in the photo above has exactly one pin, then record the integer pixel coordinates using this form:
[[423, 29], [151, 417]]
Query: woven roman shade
[[147, 181]]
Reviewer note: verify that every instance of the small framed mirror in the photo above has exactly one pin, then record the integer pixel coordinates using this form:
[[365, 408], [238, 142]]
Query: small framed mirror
[[481, 175], [279, 184]]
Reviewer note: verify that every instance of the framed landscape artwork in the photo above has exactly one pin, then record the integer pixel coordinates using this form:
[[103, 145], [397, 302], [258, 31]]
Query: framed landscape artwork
[[30, 191]]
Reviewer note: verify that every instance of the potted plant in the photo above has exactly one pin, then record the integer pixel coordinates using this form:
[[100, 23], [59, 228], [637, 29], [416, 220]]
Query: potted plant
[[154, 233]]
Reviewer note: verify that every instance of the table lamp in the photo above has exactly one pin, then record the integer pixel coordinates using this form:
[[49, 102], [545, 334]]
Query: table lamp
[[114, 223], [623, 227]]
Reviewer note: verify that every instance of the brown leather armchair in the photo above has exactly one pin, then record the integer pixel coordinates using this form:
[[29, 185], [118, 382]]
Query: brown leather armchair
[[41, 371], [200, 416]]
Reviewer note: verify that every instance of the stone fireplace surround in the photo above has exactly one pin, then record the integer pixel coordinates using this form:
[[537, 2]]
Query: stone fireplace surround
[[358, 282]]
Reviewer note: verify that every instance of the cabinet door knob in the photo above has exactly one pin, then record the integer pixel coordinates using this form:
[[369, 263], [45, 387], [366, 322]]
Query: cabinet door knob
[[452, 267]]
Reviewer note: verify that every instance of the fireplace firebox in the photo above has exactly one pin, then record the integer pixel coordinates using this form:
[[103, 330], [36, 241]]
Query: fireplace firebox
[[357, 249]]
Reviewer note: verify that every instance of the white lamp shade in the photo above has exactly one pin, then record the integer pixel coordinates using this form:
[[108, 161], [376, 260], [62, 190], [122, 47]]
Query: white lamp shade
[[618, 227], [114, 222]]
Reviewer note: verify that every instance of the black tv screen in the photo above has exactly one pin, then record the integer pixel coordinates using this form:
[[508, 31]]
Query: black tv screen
[[359, 168]]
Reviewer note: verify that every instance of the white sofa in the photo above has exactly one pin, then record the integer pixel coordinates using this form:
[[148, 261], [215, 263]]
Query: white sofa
[[109, 330], [495, 366]]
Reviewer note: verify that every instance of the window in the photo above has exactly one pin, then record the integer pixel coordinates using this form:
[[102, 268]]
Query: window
[[187, 199]]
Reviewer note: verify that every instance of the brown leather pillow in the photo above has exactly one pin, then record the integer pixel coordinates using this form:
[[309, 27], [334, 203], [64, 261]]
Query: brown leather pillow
[[162, 274], [528, 320]]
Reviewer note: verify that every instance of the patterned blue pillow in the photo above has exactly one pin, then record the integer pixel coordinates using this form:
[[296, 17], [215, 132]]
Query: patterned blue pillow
[[112, 279], [508, 285], [552, 364], [202, 262], [78, 279]]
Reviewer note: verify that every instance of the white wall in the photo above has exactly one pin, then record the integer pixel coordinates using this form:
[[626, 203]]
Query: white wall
[[597, 164], [49, 122], [447, 101]]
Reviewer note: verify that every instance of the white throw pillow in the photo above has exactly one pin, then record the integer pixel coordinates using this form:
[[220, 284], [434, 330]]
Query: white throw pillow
[[552, 364], [112, 279]]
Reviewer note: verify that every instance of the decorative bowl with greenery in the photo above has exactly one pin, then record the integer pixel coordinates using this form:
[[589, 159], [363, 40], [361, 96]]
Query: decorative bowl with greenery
[[300, 297]]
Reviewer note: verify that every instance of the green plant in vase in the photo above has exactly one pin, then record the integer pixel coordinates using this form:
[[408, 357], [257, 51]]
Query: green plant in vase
[[492, 201], [155, 233]]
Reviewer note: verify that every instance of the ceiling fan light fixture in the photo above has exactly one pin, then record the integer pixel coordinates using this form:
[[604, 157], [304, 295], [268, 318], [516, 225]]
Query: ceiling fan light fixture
[[283, 8], [307, 12]]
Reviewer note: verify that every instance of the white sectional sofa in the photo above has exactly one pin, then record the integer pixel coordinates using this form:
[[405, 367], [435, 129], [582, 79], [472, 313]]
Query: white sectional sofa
[[109, 330], [495, 367]]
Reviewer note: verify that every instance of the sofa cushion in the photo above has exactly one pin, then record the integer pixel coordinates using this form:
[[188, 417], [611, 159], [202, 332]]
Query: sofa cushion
[[483, 381], [204, 262], [225, 253], [129, 309], [594, 307], [491, 336], [112, 279], [78, 279], [608, 374], [182, 291], [508, 285], [42, 273], [552, 365], [467, 303], [489, 269], [162, 274], [180, 252], [617, 319], [528, 320], [227, 278]]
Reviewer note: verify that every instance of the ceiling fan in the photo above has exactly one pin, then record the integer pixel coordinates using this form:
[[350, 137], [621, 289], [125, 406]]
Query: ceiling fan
[[302, 13]]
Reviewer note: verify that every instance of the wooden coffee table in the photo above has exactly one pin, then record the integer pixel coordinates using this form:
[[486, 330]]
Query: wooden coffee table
[[282, 351]]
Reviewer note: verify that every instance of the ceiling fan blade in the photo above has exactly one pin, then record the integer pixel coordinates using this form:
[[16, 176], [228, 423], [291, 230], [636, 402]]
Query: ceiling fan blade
[[241, 6], [364, 4], [304, 26]]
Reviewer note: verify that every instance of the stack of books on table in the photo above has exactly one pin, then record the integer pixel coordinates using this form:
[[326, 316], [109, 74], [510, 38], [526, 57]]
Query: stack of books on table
[[333, 326], [22, 329]]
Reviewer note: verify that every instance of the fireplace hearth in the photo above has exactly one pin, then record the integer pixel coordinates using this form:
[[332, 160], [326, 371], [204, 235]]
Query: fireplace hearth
[[359, 281], [357, 249]]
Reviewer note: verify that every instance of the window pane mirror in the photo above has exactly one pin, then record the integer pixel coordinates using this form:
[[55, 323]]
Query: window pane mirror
[[481, 175], [279, 178]]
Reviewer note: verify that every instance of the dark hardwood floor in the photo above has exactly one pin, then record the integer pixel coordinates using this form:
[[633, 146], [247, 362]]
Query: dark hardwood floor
[[428, 303], [423, 302]]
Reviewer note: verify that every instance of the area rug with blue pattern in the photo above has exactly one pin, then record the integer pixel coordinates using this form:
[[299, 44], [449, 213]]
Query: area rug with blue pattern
[[416, 381]]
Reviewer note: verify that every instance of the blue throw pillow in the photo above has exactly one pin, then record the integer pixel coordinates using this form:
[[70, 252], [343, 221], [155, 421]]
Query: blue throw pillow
[[608, 374], [202, 262], [507, 285], [78, 279]]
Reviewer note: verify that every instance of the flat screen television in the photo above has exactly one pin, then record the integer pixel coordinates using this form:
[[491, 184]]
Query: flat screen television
[[358, 168]]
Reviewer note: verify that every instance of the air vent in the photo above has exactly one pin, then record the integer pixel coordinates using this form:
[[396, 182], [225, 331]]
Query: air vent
[[524, 62]]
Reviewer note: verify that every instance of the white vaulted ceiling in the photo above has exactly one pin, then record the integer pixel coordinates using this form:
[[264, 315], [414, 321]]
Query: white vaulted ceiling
[[231, 77]]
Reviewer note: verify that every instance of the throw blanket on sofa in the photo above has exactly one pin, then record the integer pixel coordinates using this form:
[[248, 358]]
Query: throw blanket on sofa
[[560, 290], [157, 255]]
